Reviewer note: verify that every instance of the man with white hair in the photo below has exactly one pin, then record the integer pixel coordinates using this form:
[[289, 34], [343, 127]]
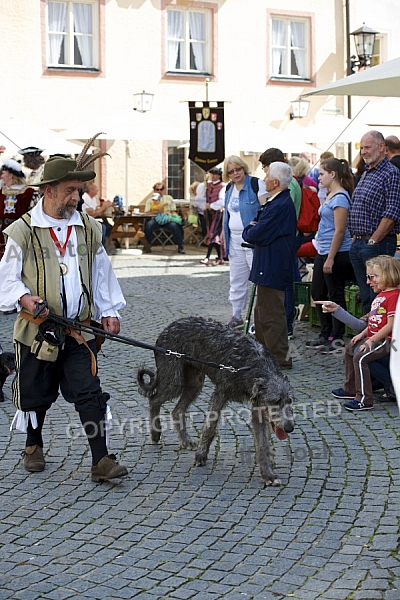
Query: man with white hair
[[273, 236]]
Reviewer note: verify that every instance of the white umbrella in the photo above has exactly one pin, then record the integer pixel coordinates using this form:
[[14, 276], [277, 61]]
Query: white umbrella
[[16, 133], [331, 129], [382, 80], [133, 126], [257, 137]]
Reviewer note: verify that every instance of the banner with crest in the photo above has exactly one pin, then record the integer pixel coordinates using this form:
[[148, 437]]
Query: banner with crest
[[207, 135]]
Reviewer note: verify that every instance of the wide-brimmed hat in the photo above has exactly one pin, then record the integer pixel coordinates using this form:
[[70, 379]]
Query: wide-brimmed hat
[[32, 150], [62, 169]]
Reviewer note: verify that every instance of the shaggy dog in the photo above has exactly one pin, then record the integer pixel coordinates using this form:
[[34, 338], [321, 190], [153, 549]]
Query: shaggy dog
[[7, 366], [261, 383]]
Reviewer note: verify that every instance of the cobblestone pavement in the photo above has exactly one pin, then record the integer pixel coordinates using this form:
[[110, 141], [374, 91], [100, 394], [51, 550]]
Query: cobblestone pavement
[[173, 530]]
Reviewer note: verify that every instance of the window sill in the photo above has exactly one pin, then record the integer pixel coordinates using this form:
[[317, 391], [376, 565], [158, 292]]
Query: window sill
[[74, 70], [290, 79], [195, 74]]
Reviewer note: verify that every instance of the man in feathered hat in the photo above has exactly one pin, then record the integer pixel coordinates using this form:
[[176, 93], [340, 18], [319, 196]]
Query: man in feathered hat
[[54, 254]]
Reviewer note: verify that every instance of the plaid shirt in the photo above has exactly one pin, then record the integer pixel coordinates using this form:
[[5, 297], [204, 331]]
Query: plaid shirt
[[377, 195]]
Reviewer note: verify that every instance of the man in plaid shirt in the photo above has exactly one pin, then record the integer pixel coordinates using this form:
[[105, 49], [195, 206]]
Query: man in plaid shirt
[[374, 217]]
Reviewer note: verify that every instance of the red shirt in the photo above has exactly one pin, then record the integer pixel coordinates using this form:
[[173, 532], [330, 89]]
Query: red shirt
[[382, 307]]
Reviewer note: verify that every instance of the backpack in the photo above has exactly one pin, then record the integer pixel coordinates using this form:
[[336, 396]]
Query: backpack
[[254, 185], [308, 216]]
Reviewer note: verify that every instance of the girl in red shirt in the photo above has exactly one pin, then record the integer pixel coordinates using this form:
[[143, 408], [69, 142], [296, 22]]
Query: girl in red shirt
[[374, 342]]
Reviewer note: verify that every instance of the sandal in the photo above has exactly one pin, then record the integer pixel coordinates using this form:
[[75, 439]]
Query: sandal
[[205, 261]]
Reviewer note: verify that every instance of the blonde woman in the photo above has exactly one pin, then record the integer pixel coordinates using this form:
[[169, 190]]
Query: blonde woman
[[241, 207]]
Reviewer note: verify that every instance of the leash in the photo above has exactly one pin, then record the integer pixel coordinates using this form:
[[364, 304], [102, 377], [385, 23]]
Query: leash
[[107, 335]]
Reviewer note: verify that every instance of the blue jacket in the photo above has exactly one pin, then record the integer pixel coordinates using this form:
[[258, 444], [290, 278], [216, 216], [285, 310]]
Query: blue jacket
[[273, 238], [249, 205]]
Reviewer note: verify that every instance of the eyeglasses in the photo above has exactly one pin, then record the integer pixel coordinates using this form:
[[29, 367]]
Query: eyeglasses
[[371, 277], [233, 171]]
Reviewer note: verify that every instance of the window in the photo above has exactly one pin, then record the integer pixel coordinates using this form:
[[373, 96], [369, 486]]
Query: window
[[175, 172], [71, 37], [376, 57], [290, 48], [188, 41]]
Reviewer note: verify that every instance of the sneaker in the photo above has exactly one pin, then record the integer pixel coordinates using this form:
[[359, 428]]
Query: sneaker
[[290, 335], [353, 405], [181, 251], [108, 468], [317, 343], [332, 347], [340, 393], [33, 459], [235, 322]]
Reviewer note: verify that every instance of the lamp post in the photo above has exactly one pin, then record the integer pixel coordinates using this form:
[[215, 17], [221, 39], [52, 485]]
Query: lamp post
[[143, 103], [364, 39]]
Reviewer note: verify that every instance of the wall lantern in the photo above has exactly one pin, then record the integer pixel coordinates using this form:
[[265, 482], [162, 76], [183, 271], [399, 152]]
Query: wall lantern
[[143, 101], [299, 108]]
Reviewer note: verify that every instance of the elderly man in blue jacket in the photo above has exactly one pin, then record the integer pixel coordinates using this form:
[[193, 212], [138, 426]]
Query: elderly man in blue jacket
[[273, 236]]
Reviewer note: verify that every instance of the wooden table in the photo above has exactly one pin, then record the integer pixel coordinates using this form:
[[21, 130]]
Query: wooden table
[[126, 227]]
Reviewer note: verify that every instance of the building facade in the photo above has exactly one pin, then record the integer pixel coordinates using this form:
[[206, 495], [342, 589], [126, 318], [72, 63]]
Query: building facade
[[75, 65]]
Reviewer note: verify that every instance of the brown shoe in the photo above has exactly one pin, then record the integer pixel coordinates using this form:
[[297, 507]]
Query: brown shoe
[[108, 468], [33, 459]]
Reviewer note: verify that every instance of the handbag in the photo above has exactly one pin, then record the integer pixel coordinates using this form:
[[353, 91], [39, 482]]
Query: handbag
[[162, 218]]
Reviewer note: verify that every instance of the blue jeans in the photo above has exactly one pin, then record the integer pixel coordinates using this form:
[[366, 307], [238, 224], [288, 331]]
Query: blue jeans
[[359, 253], [174, 227]]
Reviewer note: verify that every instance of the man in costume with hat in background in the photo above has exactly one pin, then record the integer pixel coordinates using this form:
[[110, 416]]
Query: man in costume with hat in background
[[15, 195], [213, 213], [54, 255], [34, 161]]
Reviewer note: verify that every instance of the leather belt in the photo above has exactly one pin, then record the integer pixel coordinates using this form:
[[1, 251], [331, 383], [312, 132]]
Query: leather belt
[[368, 237]]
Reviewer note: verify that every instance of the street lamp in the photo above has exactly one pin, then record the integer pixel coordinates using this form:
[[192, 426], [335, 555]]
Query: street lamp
[[364, 39], [143, 101], [299, 108]]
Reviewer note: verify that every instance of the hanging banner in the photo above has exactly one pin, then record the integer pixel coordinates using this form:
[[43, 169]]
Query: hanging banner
[[207, 135]]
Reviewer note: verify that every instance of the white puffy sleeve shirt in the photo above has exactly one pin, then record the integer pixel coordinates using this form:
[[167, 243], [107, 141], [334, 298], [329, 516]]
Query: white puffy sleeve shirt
[[107, 295]]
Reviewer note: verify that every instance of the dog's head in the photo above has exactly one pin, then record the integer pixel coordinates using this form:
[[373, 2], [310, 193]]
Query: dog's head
[[274, 397], [7, 363]]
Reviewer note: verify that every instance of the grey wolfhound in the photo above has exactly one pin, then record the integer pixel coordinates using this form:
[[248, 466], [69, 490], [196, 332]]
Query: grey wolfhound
[[262, 384]]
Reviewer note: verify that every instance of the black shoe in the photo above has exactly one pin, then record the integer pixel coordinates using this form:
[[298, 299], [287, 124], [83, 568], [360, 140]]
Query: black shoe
[[181, 251], [332, 347], [318, 343]]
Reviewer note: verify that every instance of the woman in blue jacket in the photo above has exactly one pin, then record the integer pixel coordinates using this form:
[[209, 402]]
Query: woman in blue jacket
[[241, 207], [273, 236]]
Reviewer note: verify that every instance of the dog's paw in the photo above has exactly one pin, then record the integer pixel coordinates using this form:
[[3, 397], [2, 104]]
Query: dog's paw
[[188, 444], [155, 437], [200, 459], [273, 482]]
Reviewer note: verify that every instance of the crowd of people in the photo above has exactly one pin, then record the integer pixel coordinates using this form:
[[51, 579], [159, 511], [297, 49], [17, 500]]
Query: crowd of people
[[251, 222]]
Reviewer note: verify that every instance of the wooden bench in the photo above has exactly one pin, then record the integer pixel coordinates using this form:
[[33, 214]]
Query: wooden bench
[[127, 228]]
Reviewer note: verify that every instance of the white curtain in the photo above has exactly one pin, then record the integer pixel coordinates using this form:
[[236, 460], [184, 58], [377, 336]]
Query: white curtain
[[278, 53], [297, 40], [175, 35], [56, 17], [83, 25], [197, 32]]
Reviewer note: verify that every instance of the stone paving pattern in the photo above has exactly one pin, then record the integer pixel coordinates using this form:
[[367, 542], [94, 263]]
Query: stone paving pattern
[[173, 530]]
